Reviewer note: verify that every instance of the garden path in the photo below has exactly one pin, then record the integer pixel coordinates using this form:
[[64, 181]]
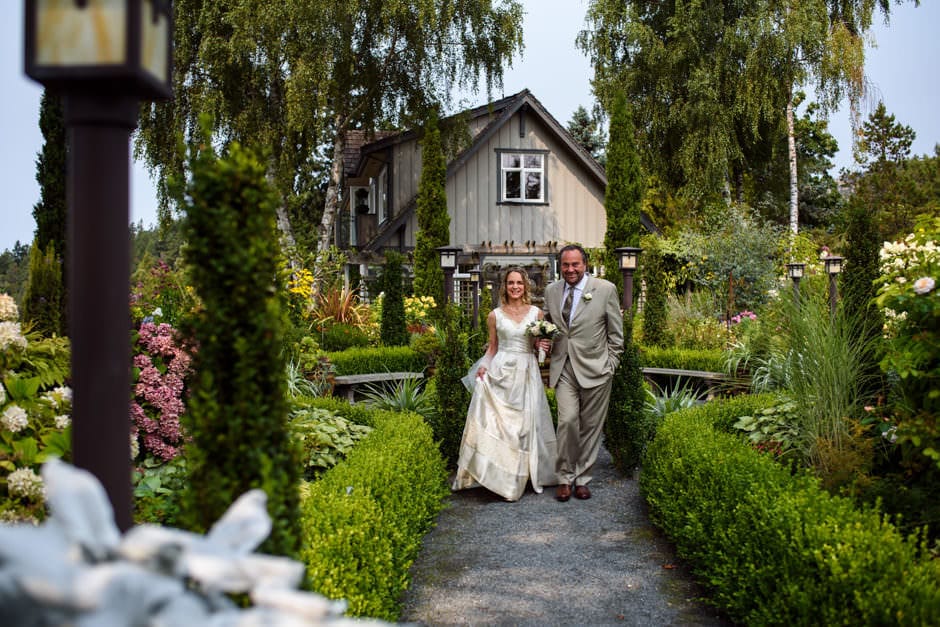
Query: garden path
[[541, 562]]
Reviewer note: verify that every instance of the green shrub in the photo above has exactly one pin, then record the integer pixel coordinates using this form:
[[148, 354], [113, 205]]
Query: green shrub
[[774, 548], [341, 336], [382, 359], [628, 429], [236, 411], [43, 304], [655, 329], [365, 519], [710, 360], [394, 330], [453, 400]]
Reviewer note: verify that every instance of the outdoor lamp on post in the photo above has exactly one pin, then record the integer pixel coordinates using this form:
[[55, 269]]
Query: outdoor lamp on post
[[475, 281], [103, 57], [795, 272], [449, 266], [833, 268], [629, 260]]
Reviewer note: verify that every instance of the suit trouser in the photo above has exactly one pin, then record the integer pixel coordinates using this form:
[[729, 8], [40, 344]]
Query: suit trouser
[[581, 415]]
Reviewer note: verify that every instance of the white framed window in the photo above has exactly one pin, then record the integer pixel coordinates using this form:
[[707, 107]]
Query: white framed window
[[522, 176], [378, 187]]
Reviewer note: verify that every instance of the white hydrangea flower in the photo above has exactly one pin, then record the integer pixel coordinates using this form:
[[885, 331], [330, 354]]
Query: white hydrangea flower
[[135, 447], [3, 395], [14, 419], [64, 392], [26, 483], [924, 285], [8, 308], [11, 336], [62, 421]]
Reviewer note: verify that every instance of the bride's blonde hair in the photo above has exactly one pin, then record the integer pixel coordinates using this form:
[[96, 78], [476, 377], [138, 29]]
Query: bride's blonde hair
[[526, 285]]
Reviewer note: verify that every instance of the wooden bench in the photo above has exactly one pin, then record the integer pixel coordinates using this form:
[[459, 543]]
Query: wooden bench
[[346, 384]]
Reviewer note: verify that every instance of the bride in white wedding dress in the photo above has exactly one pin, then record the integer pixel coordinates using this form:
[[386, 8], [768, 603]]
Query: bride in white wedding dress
[[508, 439]]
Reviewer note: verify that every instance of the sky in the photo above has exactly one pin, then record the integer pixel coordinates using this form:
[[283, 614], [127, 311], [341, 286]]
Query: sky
[[900, 67]]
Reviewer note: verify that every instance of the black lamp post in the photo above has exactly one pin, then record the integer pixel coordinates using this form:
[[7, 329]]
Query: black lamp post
[[795, 272], [629, 259], [103, 58], [449, 266], [475, 282], [833, 268]]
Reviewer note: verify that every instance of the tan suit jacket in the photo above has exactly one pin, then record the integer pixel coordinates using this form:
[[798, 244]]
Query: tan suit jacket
[[594, 341]]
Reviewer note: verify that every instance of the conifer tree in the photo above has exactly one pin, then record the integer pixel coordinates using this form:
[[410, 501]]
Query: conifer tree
[[624, 194], [42, 304], [51, 217], [433, 219], [394, 331], [237, 409]]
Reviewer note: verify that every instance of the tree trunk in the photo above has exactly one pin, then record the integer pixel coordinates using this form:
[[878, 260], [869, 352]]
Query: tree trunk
[[288, 243], [794, 188], [328, 221]]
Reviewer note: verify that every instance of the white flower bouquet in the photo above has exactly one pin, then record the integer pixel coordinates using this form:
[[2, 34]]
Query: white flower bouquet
[[541, 329]]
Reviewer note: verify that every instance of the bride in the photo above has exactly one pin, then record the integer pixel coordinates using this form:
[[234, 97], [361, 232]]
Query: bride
[[508, 439]]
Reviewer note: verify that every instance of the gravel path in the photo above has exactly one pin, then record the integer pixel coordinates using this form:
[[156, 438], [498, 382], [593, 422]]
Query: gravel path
[[541, 562]]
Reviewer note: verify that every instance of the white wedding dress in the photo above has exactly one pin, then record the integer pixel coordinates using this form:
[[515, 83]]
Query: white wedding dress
[[509, 438]]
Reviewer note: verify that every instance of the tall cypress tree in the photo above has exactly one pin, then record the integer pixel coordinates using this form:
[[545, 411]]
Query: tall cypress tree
[[50, 215], [433, 220], [394, 330], [624, 194]]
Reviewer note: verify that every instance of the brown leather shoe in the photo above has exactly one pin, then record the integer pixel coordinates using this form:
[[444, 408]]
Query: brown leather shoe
[[563, 492], [582, 492]]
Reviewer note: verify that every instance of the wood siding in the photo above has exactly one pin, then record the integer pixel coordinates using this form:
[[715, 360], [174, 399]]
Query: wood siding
[[574, 211]]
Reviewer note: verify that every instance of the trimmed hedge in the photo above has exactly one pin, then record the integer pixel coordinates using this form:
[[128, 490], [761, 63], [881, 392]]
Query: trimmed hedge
[[382, 359], [365, 518], [775, 548], [711, 360]]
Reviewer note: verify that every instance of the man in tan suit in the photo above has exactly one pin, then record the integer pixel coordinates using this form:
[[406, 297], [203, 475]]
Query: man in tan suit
[[585, 355]]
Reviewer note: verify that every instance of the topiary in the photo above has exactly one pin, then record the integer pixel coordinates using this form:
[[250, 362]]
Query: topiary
[[394, 330], [236, 409], [628, 428]]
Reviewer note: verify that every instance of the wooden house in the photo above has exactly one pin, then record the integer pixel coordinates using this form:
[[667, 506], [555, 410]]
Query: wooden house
[[520, 188]]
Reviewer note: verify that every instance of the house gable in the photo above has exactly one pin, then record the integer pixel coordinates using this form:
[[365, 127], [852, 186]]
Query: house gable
[[483, 220]]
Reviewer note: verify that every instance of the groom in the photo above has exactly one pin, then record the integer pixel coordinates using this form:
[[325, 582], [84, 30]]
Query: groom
[[584, 357]]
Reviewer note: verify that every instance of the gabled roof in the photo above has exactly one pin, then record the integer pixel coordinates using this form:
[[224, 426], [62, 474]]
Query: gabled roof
[[501, 111]]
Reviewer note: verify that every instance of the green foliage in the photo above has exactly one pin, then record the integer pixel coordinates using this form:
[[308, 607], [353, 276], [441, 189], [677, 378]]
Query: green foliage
[[14, 271], [34, 418], [623, 198], [588, 132], [655, 330], [692, 324], [773, 429], [907, 291], [660, 401], [433, 228], [364, 520], [858, 285], [453, 400], [710, 360], [773, 548], [730, 259], [628, 428], [161, 292], [378, 359], [237, 412], [158, 486], [324, 437], [394, 329], [50, 213], [341, 336], [43, 302], [407, 395]]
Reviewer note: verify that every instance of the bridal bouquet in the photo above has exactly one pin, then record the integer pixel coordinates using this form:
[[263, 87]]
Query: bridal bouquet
[[539, 329]]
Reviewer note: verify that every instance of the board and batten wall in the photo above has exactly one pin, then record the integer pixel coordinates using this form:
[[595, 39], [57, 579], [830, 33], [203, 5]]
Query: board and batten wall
[[574, 211]]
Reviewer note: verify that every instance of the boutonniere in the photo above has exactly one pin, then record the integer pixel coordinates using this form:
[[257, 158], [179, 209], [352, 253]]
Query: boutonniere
[[587, 297]]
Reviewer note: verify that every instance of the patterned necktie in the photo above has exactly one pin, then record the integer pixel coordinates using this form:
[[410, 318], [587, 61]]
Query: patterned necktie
[[566, 310]]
